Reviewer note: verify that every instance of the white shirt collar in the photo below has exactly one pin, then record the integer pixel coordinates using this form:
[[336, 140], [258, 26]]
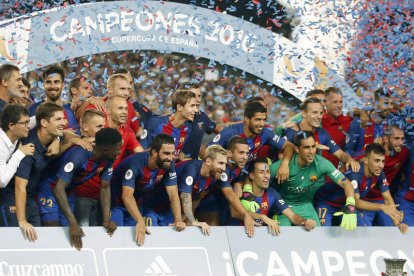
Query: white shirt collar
[[6, 139]]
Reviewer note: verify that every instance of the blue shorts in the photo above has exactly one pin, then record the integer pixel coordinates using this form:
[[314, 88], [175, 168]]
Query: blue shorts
[[8, 217], [49, 208], [122, 217], [407, 209], [326, 214], [376, 218]]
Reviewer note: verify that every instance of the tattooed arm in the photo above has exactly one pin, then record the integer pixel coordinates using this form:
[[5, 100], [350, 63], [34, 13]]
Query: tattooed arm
[[187, 203]]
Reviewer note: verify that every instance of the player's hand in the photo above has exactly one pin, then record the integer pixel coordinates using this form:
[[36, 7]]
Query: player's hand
[[90, 140], [76, 234], [27, 149], [403, 228], [249, 225], [379, 140], [273, 226], [29, 232], [349, 217], [321, 147], [110, 227], [237, 189], [355, 166], [98, 103], [309, 224], [392, 212], [83, 143], [248, 200], [291, 125], [53, 148], [179, 226], [283, 173], [140, 232], [204, 227]]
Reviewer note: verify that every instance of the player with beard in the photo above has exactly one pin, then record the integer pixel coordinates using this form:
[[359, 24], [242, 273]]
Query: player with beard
[[371, 176], [198, 181], [178, 125], [10, 83], [312, 113], [53, 78], [307, 174], [254, 131], [78, 166], [139, 185], [363, 134]]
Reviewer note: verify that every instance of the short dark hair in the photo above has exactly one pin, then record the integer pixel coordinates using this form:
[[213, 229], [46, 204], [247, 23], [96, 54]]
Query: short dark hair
[[375, 148], [234, 140], [74, 83], [380, 93], [45, 111], [252, 164], [26, 83], [11, 114], [332, 89], [307, 101], [160, 140], [54, 70], [255, 99], [314, 92], [300, 136], [252, 108], [6, 71], [107, 137]]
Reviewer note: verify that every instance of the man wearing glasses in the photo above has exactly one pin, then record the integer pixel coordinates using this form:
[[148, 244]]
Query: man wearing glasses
[[14, 125]]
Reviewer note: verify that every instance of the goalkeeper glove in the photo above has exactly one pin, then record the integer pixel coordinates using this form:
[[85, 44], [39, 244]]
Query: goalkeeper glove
[[349, 217], [248, 200]]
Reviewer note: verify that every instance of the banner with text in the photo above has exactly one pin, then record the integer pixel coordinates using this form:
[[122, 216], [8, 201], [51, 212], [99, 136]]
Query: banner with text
[[227, 251], [59, 34]]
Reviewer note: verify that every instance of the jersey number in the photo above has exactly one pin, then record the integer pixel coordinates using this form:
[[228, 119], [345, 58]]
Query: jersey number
[[46, 202]]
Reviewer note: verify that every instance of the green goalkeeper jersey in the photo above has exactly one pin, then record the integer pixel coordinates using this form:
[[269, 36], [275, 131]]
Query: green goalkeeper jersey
[[303, 183]]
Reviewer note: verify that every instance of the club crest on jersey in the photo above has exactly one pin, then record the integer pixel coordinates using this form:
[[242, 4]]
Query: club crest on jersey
[[313, 178], [200, 125], [397, 165], [12, 209], [264, 205], [385, 182], [129, 174], [224, 177], [256, 145], [182, 139], [69, 167], [216, 138]]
